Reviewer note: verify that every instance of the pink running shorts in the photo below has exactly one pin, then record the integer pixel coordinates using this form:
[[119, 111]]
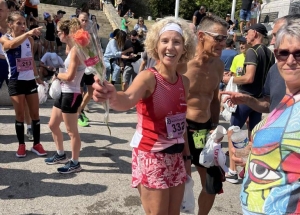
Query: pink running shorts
[[157, 170]]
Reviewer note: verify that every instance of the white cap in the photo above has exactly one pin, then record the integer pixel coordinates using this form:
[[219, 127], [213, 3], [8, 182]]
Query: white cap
[[54, 59]]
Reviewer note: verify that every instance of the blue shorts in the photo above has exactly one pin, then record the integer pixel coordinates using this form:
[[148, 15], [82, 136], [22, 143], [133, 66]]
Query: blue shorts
[[245, 15], [242, 113]]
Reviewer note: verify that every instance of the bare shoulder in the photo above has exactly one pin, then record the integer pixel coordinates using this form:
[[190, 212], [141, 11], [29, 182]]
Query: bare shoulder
[[219, 65], [192, 65], [146, 77], [144, 82], [74, 52]]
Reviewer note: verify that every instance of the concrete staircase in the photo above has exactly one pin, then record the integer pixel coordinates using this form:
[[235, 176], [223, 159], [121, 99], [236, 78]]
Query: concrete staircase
[[105, 26]]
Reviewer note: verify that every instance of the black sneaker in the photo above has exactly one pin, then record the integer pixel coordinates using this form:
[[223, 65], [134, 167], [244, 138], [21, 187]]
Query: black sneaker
[[56, 159], [69, 168], [232, 178]]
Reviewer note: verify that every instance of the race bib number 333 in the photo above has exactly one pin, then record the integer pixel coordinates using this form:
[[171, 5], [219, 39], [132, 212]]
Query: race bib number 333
[[175, 125]]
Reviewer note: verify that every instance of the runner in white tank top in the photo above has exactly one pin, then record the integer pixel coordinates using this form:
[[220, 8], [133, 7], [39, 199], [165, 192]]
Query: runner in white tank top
[[74, 85], [23, 77], [66, 106]]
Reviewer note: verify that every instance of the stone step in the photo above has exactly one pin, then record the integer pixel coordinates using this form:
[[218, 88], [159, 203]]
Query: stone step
[[105, 26]]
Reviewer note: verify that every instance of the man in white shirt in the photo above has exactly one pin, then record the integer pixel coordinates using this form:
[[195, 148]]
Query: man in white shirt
[[50, 62], [77, 12]]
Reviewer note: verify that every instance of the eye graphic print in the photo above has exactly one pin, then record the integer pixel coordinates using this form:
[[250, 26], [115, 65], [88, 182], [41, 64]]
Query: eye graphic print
[[261, 173]]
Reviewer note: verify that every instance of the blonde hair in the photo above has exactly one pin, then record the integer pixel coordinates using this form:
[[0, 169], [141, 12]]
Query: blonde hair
[[69, 26], [188, 38]]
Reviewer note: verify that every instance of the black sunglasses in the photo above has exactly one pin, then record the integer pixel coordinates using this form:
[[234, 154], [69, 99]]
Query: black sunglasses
[[283, 55], [217, 37]]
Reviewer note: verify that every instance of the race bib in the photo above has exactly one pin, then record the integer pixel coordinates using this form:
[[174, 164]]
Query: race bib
[[199, 138], [175, 125], [24, 64]]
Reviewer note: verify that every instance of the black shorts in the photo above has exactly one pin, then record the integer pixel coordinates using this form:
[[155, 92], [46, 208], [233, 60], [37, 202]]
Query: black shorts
[[3, 72], [214, 175], [87, 80], [21, 87], [50, 37], [68, 102], [49, 73], [58, 42], [29, 10]]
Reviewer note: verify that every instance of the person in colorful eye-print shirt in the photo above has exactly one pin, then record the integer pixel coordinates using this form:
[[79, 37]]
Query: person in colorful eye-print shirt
[[271, 184]]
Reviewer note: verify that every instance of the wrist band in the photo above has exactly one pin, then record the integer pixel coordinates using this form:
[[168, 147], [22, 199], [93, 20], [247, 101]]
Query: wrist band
[[36, 76], [187, 157]]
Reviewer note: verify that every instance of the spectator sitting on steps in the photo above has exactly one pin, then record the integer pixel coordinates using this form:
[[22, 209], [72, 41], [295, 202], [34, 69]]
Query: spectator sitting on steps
[[49, 64], [130, 14], [140, 25]]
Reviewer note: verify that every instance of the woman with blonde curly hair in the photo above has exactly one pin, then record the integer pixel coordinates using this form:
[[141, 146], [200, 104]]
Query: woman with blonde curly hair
[[65, 108], [160, 155]]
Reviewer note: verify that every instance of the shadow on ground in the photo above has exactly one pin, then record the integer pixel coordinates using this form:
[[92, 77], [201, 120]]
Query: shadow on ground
[[24, 184]]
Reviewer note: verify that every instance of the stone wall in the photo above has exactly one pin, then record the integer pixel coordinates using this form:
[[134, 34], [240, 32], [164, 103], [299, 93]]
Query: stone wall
[[93, 4], [139, 7]]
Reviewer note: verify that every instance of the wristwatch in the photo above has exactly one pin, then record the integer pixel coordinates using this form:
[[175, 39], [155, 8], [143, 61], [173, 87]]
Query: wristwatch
[[56, 74], [36, 76], [187, 157]]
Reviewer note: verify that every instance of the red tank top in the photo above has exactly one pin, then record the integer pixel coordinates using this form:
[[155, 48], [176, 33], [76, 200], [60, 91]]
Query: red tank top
[[166, 101]]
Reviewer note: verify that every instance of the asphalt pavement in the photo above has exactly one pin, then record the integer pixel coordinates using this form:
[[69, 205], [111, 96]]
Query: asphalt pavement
[[29, 186]]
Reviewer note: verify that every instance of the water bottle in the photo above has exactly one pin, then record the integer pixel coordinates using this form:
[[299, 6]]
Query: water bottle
[[240, 142]]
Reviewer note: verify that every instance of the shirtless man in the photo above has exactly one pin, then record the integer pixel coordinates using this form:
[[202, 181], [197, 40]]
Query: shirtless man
[[205, 72]]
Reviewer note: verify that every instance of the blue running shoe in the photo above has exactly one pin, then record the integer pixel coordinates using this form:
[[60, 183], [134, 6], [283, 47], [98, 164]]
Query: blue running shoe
[[56, 158], [69, 168]]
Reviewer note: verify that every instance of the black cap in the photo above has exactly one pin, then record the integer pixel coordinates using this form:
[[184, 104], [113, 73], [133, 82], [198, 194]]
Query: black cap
[[260, 28], [61, 11], [133, 33], [242, 39]]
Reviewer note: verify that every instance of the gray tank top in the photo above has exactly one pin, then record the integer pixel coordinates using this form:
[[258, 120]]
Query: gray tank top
[[74, 85]]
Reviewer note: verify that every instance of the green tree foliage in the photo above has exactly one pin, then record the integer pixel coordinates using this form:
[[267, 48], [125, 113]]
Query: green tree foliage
[[187, 9], [161, 8]]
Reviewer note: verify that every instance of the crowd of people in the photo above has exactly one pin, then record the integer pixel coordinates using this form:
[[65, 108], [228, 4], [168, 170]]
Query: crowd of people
[[270, 174], [248, 15], [176, 92], [20, 73]]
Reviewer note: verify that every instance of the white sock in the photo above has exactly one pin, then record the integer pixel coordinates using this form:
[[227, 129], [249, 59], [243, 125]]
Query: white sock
[[60, 152], [28, 126], [232, 172], [74, 161]]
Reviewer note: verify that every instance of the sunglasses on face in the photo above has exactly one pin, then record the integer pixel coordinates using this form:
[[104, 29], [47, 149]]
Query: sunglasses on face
[[283, 55], [217, 37]]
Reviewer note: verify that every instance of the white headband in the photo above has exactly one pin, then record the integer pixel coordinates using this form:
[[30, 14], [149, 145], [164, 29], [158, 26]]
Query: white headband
[[171, 27]]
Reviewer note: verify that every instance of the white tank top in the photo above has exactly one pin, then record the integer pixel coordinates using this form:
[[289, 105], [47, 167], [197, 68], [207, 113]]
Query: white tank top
[[74, 85], [20, 61]]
